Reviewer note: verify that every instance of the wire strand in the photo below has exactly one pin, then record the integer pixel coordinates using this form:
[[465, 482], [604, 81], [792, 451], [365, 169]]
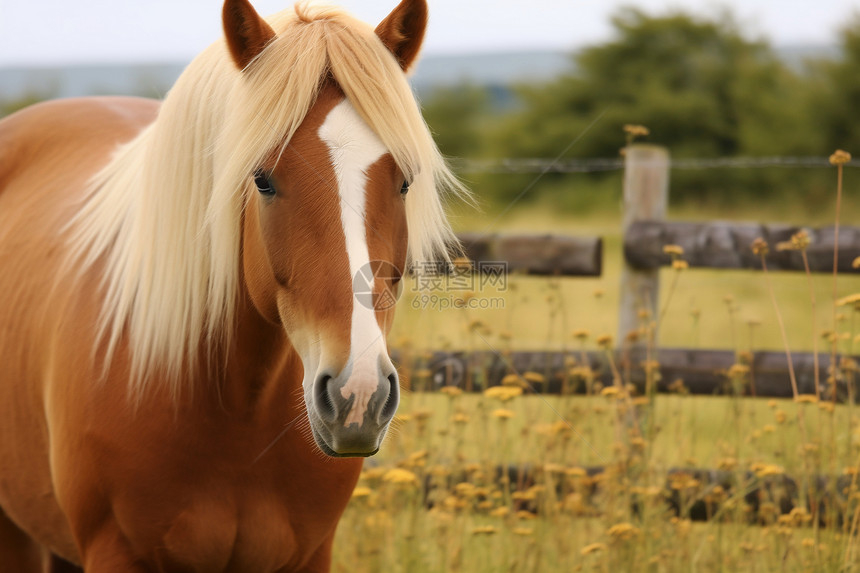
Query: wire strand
[[595, 165]]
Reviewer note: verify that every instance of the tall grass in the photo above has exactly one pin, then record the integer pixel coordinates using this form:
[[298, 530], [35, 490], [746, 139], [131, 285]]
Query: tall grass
[[604, 478]]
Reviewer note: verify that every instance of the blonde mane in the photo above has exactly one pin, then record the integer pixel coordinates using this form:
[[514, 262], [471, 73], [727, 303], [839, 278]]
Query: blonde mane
[[165, 214]]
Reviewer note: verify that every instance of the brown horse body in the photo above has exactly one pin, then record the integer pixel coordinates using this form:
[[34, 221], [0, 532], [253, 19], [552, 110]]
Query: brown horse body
[[188, 484], [225, 476]]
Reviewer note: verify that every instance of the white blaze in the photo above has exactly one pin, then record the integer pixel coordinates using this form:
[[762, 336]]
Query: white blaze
[[354, 147]]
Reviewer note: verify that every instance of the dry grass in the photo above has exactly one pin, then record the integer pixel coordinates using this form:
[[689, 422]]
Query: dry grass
[[698, 315], [454, 445], [434, 499]]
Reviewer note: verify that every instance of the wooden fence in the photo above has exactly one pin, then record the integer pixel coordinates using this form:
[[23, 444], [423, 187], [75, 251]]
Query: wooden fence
[[537, 254], [718, 244], [696, 371]]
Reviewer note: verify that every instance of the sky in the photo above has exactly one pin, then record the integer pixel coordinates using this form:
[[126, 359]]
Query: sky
[[56, 32]]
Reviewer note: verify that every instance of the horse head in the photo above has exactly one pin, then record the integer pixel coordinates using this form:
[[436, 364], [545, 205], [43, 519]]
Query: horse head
[[326, 232]]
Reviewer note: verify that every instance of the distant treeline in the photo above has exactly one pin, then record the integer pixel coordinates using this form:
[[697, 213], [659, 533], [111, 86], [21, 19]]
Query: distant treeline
[[700, 86]]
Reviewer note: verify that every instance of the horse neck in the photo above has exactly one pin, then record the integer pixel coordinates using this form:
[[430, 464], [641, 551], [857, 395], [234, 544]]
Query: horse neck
[[261, 369], [260, 365]]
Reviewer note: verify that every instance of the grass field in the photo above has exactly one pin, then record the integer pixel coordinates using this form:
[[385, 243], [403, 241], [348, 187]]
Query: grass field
[[453, 444], [708, 309], [430, 500], [690, 430]]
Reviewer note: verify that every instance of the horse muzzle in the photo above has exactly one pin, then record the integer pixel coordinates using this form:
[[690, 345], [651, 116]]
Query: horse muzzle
[[350, 412]]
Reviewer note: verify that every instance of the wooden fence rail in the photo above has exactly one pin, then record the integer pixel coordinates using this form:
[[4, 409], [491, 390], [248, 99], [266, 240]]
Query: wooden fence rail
[[701, 371], [536, 254], [725, 245], [763, 499], [713, 244]]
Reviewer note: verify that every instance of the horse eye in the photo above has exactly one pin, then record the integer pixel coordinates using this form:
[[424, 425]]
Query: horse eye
[[264, 185], [404, 189]]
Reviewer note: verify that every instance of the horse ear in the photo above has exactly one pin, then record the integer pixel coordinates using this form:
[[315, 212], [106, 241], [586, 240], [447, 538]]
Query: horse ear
[[402, 31], [246, 33]]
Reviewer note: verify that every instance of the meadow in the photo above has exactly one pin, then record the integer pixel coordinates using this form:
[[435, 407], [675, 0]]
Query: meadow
[[447, 449], [516, 480]]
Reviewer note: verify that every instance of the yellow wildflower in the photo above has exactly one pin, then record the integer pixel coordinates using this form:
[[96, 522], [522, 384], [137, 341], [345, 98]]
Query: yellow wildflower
[[484, 530], [635, 130], [728, 464], [421, 414], [400, 476], [451, 391], [501, 511], [464, 488], [678, 386], [623, 531], [593, 548], [840, 157], [582, 334], [502, 413], [610, 391], [503, 393], [738, 370], [800, 240], [765, 470], [850, 299], [759, 247], [476, 325], [581, 372], [373, 473], [534, 377]]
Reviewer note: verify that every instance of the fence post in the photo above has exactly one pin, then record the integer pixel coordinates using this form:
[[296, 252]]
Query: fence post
[[646, 192]]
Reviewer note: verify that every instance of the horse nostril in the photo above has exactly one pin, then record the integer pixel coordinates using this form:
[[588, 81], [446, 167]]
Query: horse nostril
[[322, 399], [393, 399]]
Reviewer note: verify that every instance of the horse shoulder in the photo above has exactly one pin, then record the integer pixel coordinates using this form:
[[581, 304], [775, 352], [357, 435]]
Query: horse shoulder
[[47, 151]]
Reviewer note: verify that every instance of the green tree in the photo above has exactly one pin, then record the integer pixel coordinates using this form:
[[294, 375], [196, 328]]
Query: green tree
[[456, 116], [836, 103], [699, 85], [10, 106]]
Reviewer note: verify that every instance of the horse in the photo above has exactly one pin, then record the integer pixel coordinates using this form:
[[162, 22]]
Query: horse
[[188, 379]]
